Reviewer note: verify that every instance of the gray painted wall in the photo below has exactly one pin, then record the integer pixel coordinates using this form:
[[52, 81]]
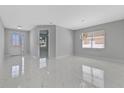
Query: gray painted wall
[[1, 47], [114, 41], [11, 50], [1, 41], [34, 37], [64, 42]]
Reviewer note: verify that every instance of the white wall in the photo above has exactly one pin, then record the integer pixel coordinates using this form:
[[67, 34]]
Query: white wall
[[9, 49], [64, 42], [114, 41], [1, 47], [1, 41], [34, 41]]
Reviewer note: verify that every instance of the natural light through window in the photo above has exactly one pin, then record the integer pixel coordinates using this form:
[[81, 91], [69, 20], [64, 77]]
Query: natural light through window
[[93, 39], [16, 40]]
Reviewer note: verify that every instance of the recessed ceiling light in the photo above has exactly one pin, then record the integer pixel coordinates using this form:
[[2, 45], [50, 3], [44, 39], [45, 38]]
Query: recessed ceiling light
[[82, 20], [19, 27]]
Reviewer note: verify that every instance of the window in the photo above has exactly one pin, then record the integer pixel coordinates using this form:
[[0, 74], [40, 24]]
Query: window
[[16, 39], [93, 39], [98, 39], [87, 39]]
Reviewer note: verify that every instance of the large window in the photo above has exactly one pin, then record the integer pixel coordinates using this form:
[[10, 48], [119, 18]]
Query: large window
[[93, 39], [16, 39]]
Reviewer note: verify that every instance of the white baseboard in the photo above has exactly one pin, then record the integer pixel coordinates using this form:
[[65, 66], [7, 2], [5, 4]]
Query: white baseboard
[[104, 59], [59, 57]]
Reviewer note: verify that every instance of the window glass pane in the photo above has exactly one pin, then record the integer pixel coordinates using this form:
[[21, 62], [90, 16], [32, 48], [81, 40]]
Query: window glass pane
[[87, 40], [16, 39], [13, 39], [98, 39]]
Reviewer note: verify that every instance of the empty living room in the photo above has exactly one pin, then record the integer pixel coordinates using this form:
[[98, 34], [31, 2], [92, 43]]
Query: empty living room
[[61, 46]]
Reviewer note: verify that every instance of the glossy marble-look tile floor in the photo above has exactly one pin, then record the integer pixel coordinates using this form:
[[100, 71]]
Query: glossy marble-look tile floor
[[69, 72]]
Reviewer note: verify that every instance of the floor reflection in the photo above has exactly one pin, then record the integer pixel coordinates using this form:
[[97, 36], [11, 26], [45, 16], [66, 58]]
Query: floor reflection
[[43, 62], [23, 65], [18, 69], [15, 71], [92, 77]]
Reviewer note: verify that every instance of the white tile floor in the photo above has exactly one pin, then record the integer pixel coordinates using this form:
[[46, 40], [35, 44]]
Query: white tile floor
[[69, 72]]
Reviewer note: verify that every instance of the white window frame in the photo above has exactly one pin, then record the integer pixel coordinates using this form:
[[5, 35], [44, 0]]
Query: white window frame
[[81, 37]]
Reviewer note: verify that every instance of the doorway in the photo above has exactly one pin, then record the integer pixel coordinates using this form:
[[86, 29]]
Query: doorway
[[43, 43]]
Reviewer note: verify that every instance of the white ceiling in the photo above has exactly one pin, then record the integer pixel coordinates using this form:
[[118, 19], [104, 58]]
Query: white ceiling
[[72, 17]]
